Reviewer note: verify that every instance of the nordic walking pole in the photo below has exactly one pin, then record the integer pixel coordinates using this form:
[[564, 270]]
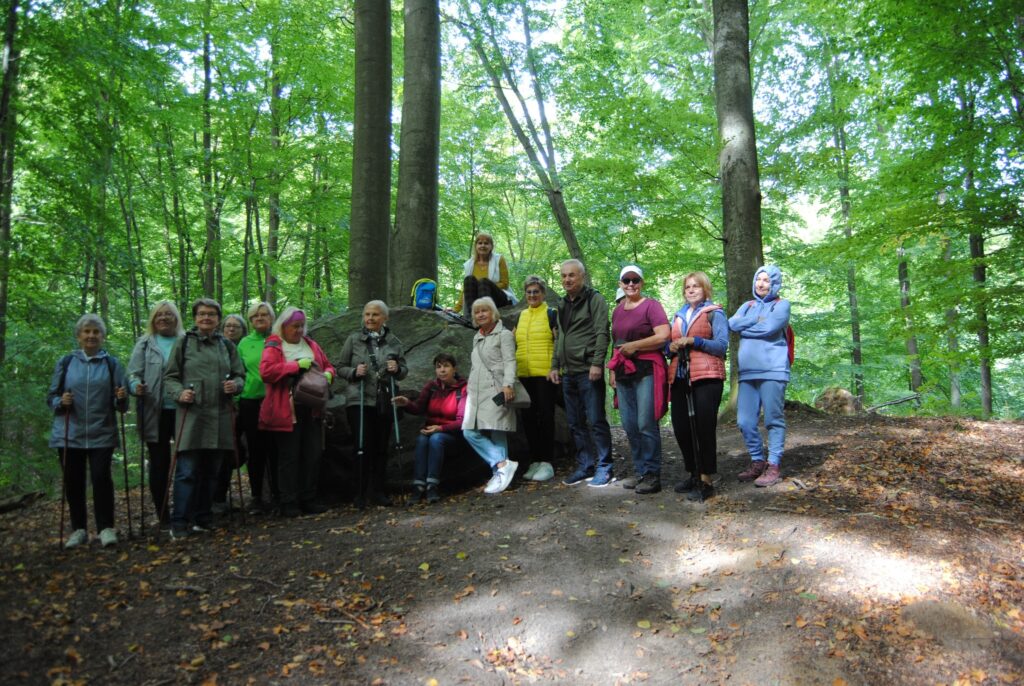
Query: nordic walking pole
[[691, 413], [127, 492], [394, 410], [360, 452], [142, 464], [64, 475], [174, 457], [238, 463]]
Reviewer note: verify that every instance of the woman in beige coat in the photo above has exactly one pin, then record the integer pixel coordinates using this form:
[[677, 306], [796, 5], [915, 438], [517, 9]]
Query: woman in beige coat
[[488, 418]]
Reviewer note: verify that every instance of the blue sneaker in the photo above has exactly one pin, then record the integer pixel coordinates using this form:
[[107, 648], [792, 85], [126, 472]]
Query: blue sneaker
[[601, 479], [579, 475]]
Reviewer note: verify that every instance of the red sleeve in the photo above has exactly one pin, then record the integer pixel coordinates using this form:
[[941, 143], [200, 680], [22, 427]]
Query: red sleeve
[[421, 403], [273, 366], [460, 412], [321, 358]]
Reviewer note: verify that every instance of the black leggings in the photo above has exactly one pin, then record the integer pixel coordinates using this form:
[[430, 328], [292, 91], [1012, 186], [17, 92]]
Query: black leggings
[[160, 461], [98, 460], [707, 395], [473, 288]]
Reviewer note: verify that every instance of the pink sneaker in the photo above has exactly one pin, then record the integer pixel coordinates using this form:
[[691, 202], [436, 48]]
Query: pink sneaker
[[770, 477]]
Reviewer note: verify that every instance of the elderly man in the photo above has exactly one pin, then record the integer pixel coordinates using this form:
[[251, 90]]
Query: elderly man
[[578, 364]]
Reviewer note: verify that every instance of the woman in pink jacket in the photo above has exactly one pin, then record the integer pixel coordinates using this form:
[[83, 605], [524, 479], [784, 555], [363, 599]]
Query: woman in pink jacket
[[298, 436]]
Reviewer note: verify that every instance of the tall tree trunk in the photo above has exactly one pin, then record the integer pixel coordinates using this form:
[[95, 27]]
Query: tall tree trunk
[[741, 188], [369, 248], [916, 378], [952, 337], [416, 205], [978, 273], [8, 129], [274, 209], [212, 248]]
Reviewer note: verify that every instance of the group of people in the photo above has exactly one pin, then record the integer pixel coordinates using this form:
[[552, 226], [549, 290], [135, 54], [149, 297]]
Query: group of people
[[226, 383]]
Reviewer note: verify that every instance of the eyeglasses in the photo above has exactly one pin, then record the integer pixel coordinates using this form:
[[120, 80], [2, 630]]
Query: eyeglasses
[[632, 281], [533, 292]]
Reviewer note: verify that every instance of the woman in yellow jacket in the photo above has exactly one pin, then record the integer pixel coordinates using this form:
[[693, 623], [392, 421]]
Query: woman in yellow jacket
[[535, 345]]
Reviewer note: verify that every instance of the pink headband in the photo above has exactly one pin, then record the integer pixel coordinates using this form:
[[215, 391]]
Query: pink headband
[[297, 316]]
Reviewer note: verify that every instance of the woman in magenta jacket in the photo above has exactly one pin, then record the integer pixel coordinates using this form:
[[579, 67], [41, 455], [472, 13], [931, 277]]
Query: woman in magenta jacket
[[297, 429]]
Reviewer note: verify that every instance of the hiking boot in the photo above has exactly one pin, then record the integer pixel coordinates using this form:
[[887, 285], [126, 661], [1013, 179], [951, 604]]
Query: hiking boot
[[78, 537], [688, 485], [700, 492], [221, 508], [578, 476], [771, 476], [632, 482], [601, 479], [432, 495], [651, 484], [108, 537], [752, 472]]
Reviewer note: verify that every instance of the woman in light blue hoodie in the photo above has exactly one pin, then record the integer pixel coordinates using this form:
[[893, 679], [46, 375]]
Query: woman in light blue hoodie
[[764, 373]]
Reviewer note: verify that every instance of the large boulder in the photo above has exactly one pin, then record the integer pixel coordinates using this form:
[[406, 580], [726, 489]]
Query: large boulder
[[423, 333]]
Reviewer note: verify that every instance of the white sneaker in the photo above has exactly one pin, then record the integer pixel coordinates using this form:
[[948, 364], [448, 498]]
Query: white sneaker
[[108, 537], [77, 538], [489, 488], [504, 475]]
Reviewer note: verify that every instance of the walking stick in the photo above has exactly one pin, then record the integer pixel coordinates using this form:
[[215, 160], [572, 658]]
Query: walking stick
[[127, 493], [142, 465], [238, 463], [64, 475], [394, 410], [360, 452], [691, 413], [174, 457]]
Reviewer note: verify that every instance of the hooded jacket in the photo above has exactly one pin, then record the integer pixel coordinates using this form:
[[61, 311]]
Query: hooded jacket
[[761, 324], [92, 422], [441, 405], [277, 413], [361, 348]]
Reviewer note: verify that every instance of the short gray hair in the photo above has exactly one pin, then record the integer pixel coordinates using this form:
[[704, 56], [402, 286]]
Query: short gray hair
[[575, 263], [380, 305], [90, 319], [254, 310], [533, 279], [238, 318], [487, 303]]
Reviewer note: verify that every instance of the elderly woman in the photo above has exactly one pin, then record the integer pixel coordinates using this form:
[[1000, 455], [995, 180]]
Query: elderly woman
[[203, 375], [156, 411], [485, 274], [638, 375], [259, 444], [233, 327], [371, 359], [492, 376], [535, 347], [764, 373], [442, 402], [700, 339], [86, 389], [297, 428]]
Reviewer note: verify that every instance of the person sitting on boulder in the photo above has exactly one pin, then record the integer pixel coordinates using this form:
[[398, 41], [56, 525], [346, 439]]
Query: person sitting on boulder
[[442, 402], [485, 274]]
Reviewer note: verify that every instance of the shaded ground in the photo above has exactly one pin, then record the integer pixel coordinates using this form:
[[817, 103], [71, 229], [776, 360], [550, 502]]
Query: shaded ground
[[892, 553]]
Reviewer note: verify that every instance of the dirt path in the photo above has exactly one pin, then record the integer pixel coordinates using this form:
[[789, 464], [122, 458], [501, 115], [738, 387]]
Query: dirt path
[[892, 554]]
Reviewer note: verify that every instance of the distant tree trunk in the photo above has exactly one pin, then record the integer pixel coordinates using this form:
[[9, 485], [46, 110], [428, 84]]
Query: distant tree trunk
[[916, 378], [416, 206], [8, 129], [534, 136], [212, 249], [952, 337], [369, 248], [741, 188], [274, 211]]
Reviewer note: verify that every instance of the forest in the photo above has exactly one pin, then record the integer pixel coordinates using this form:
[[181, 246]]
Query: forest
[[159, 149]]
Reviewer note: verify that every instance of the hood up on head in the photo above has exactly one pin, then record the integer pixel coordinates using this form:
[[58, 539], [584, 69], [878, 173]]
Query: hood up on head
[[775, 274]]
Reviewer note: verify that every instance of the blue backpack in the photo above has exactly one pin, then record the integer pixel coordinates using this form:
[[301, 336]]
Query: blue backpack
[[424, 294]]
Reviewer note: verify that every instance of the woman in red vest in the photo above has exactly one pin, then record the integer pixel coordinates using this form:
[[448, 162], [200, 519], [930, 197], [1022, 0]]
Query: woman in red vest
[[699, 341]]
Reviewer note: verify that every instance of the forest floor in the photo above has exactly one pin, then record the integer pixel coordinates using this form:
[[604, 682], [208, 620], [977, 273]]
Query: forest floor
[[893, 553]]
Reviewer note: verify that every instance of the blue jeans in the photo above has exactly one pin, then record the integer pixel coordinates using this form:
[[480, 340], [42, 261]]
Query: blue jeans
[[195, 478], [636, 408], [430, 451], [584, 410], [493, 449], [752, 396]]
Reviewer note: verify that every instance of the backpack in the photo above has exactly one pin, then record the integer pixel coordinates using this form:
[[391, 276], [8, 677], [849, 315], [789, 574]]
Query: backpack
[[424, 294], [65, 362], [790, 335]]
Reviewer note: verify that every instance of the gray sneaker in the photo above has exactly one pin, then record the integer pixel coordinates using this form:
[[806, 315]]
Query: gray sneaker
[[108, 537], [78, 537]]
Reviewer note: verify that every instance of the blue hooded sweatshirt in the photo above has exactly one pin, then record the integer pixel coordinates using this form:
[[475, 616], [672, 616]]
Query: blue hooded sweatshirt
[[761, 324]]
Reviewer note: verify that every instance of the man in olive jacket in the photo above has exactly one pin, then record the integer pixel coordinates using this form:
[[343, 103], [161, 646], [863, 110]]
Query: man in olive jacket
[[578, 364]]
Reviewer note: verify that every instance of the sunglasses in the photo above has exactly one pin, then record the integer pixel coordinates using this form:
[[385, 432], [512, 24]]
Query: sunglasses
[[630, 281]]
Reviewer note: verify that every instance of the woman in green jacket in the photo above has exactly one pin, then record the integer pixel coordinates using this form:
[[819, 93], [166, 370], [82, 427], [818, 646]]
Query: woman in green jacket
[[262, 454]]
